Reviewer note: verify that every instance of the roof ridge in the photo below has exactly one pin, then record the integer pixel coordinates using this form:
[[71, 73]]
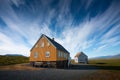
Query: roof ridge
[[56, 44], [79, 53]]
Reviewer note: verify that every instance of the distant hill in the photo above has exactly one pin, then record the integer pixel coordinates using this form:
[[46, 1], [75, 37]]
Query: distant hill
[[106, 57], [13, 55], [116, 56], [13, 59]]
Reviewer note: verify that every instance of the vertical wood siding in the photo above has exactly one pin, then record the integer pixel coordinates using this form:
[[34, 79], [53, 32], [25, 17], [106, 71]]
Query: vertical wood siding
[[42, 52]]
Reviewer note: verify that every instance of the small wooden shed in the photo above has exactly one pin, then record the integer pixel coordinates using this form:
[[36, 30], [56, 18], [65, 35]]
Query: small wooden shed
[[81, 57]]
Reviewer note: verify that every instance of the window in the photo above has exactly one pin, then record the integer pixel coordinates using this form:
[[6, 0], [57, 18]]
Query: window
[[64, 55], [61, 54], [35, 55], [42, 44], [47, 54], [58, 53]]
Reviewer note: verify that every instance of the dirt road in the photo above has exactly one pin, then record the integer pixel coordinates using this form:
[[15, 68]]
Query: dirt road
[[47, 74]]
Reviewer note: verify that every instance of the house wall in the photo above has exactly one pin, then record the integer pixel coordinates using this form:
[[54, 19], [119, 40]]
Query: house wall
[[54, 53], [76, 59], [42, 51], [82, 58], [62, 57]]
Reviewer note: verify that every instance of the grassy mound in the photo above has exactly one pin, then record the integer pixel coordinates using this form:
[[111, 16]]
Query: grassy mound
[[9, 60]]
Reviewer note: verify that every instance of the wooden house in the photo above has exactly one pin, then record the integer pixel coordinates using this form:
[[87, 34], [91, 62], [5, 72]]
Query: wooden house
[[81, 57], [47, 52]]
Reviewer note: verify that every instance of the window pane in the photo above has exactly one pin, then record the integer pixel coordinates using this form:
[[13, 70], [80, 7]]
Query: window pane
[[64, 55], [61, 54], [35, 55], [58, 53], [47, 54], [42, 44]]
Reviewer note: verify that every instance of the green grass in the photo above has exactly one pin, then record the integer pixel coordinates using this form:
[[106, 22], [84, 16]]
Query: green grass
[[9, 60], [105, 62], [72, 61], [112, 64]]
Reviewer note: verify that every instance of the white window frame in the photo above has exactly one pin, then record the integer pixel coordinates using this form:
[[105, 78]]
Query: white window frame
[[47, 54], [35, 55]]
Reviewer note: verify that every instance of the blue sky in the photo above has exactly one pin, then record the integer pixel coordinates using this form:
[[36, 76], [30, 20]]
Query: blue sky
[[91, 26]]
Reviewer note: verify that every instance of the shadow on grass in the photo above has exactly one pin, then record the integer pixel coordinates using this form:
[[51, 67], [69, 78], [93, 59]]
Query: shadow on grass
[[100, 63], [93, 67]]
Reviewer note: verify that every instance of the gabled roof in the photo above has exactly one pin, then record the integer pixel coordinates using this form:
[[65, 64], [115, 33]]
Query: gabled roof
[[53, 42], [80, 53]]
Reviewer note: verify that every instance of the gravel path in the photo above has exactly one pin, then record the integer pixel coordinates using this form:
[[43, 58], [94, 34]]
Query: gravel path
[[48, 74], [76, 73]]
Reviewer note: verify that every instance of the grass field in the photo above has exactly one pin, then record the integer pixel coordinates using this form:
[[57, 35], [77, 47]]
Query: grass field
[[109, 69], [105, 62], [112, 64], [9, 60]]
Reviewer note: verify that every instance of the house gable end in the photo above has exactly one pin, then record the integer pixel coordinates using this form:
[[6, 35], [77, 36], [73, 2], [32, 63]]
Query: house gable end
[[39, 40], [80, 54], [52, 42]]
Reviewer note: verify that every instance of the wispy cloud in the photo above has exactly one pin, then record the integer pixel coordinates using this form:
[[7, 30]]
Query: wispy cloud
[[27, 20], [8, 46]]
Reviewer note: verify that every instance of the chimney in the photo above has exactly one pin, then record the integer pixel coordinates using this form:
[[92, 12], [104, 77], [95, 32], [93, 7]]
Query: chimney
[[53, 39]]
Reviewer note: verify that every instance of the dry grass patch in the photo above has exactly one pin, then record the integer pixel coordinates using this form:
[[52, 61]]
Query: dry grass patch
[[103, 75], [24, 66]]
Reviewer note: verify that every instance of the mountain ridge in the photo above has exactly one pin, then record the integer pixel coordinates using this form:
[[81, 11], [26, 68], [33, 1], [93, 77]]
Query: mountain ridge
[[107, 57]]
